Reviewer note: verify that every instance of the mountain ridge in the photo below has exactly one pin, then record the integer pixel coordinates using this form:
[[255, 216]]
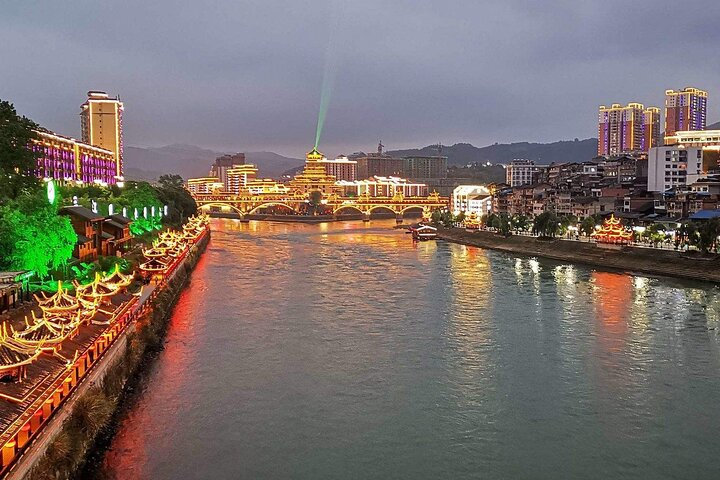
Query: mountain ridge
[[562, 151]]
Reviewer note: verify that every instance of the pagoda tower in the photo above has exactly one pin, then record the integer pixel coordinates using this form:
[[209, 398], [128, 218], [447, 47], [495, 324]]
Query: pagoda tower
[[314, 176]]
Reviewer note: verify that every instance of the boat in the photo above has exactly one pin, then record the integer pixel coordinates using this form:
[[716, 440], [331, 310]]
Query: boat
[[423, 232]]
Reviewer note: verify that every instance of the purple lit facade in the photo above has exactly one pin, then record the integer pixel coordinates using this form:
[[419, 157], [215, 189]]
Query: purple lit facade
[[67, 160]]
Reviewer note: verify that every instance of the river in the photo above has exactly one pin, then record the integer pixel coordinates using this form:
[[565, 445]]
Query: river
[[345, 350]]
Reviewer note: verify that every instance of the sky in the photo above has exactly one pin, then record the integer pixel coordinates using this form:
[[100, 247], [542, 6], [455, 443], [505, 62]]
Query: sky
[[235, 75]]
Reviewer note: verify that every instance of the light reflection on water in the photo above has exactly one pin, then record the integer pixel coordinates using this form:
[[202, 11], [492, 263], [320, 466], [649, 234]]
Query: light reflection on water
[[346, 351]]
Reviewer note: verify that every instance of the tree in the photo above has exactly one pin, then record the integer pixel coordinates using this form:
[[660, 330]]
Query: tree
[[315, 200], [171, 192], [171, 181], [33, 236], [547, 224], [436, 217], [587, 226], [708, 232], [520, 223], [18, 159], [460, 217], [502, 224]]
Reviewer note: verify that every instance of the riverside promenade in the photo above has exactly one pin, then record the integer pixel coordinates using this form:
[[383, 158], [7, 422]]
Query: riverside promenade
[[34, 409], [626, 258]]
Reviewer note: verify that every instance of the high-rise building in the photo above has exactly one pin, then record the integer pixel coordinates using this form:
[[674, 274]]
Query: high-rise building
[[522, 172], [377, 164], [685, 110], [101, 121], [652, 134], [425, 167], [621, 129], [341, 168], [220, 168]]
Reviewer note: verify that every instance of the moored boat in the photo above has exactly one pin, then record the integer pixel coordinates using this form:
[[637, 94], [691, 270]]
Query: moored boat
[[423, 232]]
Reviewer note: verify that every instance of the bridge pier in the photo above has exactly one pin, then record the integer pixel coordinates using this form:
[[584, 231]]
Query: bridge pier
[[398, 218], [243, 218], [366, 217]]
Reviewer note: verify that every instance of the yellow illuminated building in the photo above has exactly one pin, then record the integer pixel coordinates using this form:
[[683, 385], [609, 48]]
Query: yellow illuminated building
[[204, 185], [314, 176], [101, 120]]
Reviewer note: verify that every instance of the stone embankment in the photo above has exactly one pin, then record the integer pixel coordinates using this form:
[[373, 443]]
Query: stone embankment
[[689, 265]]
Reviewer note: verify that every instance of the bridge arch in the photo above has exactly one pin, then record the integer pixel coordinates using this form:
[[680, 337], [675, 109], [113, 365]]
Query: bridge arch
[[270, 204], [413, 207], [386, 208], [206, 207], [348, 207]]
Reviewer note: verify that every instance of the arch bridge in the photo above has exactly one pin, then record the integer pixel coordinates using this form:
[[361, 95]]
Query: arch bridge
[[294, 204]]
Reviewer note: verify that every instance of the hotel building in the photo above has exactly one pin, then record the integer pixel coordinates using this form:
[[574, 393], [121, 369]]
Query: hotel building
[[101, 122], [65, 159], [685, 110], [624, 129]]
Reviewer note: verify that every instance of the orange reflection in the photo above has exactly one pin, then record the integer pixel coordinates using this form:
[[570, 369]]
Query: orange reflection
[[613, 298]]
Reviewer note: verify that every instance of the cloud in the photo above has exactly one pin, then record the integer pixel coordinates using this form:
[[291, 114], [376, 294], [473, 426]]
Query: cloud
[[246, 75]]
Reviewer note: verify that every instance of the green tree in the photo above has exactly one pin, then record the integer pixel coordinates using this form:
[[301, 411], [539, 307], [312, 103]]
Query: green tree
[[436, 217], [17, 157], [171, 192], [547, 224], [587, 226], [33, 236], [707, 236], [460, 217], [315, 200], [520, 223], [171, 181]]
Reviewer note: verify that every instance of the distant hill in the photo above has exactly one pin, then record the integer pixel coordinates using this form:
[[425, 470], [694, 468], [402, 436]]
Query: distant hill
[[714, 126], [148, 163], [543, 153]]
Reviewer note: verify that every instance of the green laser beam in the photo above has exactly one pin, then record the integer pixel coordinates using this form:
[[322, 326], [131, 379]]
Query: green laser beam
[[330, 69]]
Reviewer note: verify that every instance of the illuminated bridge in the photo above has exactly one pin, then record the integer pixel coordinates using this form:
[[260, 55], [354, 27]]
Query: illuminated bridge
[[399, 205]]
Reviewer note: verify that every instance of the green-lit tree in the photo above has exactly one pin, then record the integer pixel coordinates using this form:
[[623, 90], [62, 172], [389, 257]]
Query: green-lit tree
[[33, 236], [17, 158]]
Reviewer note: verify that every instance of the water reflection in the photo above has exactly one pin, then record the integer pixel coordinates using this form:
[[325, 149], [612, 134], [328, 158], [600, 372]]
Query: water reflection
[[346, 350]]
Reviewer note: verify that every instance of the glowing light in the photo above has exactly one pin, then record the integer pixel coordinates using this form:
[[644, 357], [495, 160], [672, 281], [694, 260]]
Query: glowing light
[[51, 192]]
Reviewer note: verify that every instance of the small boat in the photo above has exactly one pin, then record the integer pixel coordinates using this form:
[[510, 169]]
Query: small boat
[[423, 232]]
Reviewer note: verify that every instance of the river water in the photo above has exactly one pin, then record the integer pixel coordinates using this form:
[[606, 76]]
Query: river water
[[345, 350]]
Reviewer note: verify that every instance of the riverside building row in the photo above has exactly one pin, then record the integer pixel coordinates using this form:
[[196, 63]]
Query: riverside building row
[[671, 184]]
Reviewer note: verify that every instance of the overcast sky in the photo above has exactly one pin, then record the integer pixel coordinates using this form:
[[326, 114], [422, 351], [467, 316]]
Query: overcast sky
[[247, 75]]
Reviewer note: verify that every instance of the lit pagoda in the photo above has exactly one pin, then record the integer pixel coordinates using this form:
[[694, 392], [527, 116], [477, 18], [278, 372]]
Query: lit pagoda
[[58, 304], [314, 176], [15, 356], [118, 279], [612, 231]]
